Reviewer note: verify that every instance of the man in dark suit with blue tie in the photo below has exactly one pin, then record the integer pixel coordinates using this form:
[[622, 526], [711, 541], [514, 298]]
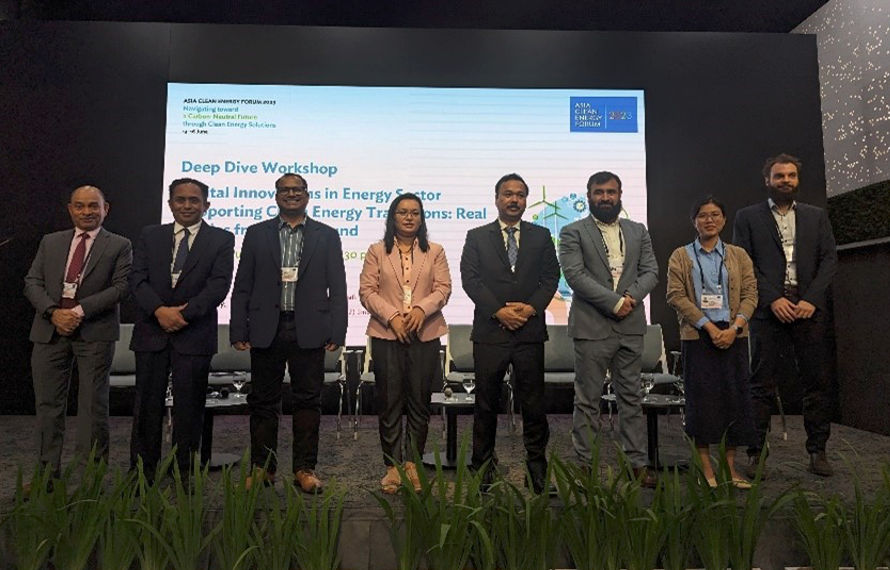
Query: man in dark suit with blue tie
[[509, 270], [288, 307], [76, 284], [795, 258], [181, 273]]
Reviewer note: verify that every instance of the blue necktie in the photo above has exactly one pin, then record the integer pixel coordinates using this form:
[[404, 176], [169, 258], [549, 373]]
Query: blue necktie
[[512, 246], [182, 252]]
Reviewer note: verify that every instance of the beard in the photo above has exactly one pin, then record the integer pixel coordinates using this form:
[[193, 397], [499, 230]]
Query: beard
[[606, 213], [783, 197]]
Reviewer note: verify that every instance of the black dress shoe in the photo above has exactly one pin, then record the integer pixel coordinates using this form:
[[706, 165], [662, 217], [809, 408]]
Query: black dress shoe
[[751, 468], [646, 477], [819, 465]]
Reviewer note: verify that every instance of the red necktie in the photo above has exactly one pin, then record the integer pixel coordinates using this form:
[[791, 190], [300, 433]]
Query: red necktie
[[75, 268]]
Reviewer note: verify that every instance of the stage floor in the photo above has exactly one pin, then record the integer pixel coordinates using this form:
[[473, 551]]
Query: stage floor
[[358, 465]]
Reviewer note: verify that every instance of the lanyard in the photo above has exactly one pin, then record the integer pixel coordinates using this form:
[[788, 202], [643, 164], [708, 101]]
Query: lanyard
[[620, 241], [701, 270]]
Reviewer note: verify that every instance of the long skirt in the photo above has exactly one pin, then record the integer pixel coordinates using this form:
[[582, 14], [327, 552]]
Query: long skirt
[[717, 399]]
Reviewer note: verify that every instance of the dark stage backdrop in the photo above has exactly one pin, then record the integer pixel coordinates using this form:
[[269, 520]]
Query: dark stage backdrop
[[86, 102]]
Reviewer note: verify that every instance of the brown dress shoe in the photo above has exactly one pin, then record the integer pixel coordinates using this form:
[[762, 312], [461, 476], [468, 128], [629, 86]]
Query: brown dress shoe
[[819, 465], [260, 475], [307, 481], [411, 472], [391, 481], [646, 477]]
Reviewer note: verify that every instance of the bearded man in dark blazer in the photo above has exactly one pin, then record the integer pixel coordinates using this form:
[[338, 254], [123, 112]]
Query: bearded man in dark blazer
[[795, 259], [76, 284], [509, 270], [181, 274], [288, 308]]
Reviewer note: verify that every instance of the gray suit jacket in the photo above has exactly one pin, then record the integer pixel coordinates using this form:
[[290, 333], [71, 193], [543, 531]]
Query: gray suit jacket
[[103, 286], [585, 265]]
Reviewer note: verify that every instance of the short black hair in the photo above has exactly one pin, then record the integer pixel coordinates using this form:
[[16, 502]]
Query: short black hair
[[780, 159], [205, 190], [602, 177], [291, 175], [709, 199], [508, 178]]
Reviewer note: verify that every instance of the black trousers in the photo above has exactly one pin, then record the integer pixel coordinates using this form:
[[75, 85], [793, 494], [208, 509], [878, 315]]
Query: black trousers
[[807, 342], [306, 369], [491, 363], [404, 376], [188, 373]]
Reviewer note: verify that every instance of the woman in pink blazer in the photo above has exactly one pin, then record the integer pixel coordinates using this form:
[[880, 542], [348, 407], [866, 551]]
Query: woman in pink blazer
[[404, 284]]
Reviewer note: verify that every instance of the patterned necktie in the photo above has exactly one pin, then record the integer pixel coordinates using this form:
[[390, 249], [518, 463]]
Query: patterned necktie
[[75, 268], [512, 246], [182, 252]]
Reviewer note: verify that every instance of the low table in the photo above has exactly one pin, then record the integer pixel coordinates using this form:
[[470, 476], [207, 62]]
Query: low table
[[211, 408], [652, 405], [457, 404]]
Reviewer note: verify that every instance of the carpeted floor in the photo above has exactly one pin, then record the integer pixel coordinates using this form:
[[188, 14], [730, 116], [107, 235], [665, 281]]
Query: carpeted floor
[[358, 463]]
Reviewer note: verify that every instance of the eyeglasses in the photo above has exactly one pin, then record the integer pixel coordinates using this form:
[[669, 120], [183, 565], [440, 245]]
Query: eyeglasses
[[408, 213], [707, 217], [291, 190]]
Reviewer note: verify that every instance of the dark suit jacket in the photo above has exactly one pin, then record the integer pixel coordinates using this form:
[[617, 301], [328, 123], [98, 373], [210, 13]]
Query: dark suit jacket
[[203, 284], [320, 308], [489, 282], [102, 287], [755, 230]]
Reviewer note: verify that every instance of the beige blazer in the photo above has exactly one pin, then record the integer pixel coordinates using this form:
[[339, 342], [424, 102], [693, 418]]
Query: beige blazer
[[380, 289], [681, 288]]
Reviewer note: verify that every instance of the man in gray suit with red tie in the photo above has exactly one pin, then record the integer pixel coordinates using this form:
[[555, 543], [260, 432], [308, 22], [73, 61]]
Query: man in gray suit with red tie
[[181, 273], [288, 308], [795, 259], [75, 285]]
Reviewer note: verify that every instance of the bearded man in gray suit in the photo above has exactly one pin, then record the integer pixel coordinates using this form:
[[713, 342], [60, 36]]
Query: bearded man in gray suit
[[609, 264], [75, 284]]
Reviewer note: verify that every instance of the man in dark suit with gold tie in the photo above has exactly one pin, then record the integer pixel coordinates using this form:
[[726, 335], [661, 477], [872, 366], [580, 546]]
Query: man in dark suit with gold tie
[[75, 284], [509, 270], [181, 273]]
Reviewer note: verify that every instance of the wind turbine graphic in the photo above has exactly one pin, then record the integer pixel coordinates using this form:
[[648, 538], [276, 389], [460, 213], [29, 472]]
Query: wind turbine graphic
[[549, 216]]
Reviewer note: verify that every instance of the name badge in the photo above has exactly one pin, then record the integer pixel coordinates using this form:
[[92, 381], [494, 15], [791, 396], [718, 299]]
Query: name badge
[[406, 296], [289, 274], [69, 290], [709, 301]]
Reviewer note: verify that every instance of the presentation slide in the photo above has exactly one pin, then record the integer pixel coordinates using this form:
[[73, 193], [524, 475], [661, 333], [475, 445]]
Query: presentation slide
[[360, 147]]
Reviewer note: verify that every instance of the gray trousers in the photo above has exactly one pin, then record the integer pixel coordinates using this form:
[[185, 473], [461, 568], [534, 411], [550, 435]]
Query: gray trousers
[[51, 367], [619, 354]]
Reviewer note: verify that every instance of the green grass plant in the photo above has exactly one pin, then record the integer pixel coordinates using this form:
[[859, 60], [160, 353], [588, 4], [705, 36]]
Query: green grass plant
[[232, 548], [320, 529], [276, 535], [147, 518], [678, 520], [588, 526], [78, 521], [866, 527], [31, 534], [117, 539], [819, 529]]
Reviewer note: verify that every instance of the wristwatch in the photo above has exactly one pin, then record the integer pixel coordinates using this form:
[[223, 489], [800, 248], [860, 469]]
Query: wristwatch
[[738, 329]]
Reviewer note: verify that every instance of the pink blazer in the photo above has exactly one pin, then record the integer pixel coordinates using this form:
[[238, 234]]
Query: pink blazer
[[380, 289]]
